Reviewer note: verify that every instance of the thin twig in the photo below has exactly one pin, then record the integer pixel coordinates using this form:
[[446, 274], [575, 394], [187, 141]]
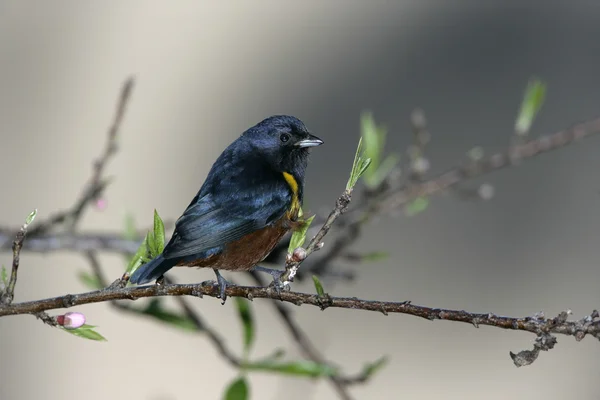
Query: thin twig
[[308, 349], [96, 184], [292, 265], [9, 293], [201, 326], [510, 158]]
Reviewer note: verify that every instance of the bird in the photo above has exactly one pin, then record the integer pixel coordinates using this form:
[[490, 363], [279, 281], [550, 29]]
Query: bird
[[250, 199]]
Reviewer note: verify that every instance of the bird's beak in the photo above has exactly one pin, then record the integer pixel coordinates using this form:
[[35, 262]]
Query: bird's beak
[[309, 141]]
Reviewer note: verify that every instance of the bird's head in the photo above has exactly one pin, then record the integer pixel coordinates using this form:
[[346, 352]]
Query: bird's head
[[284, 142]]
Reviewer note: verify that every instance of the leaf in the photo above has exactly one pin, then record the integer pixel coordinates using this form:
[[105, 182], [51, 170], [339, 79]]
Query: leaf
[[371, 368], [140, 256], [31, 217], [86, 332], [374, 256], [373, 137], [383, 171], [130, 232], [159, 234], [276, 355], [359, 166], [374, 141], [531, 105], [90, 281], [297, 368], [151, 248], [247, 318], [237, 390], [418, 205], [299, 235], [181, 321], [318, 286]]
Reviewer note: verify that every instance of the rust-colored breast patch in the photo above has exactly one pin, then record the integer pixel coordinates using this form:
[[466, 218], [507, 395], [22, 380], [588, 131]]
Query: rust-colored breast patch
[[245, 253]]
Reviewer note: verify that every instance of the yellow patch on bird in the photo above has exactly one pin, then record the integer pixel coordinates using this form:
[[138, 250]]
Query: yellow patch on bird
[[291, 181]]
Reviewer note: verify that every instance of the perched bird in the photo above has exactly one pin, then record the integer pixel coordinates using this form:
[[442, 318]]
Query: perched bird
[[248, 202]]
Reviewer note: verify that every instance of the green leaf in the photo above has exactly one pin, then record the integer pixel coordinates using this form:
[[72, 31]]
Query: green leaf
[[476, 153], [86, 332], [297, 368], [374, 137], [139, 258], [89, 280], [181, 321], [378, 175], [130, 232], [247, 318], [531, 105], [159, 234], [151, 248], [374, 256], [276, 355], [418, 205], [31, 217], [4, 276], [318, 286], [359, 166], [299, 235], [237, 390], [371, 368]]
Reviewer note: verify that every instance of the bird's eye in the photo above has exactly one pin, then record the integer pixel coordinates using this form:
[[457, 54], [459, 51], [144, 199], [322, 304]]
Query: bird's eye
[[284, 137]]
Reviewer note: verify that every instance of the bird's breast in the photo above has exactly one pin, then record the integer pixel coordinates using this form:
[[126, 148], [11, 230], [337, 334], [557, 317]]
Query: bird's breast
[[245, 253]]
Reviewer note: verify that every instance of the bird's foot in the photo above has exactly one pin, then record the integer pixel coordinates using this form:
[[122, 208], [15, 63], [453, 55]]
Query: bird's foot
[[222, 283], [277, 284]]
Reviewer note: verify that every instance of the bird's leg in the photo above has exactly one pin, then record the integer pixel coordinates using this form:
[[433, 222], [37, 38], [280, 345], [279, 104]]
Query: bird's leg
[[223, 283], [275, 273]]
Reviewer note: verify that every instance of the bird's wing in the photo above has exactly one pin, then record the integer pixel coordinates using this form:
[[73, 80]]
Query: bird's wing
[[212, 221]]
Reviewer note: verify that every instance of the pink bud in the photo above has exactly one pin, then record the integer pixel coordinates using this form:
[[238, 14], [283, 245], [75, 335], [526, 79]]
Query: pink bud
[[101, 204], [71, 320], [299, 254]]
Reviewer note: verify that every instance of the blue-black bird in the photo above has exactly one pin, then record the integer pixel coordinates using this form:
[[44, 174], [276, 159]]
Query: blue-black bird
[[248, 202]]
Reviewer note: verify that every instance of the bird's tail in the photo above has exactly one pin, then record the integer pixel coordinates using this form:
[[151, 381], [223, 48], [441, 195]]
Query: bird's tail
[[152, 270]]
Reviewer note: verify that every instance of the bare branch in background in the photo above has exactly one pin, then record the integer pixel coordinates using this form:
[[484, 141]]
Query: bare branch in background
[[96, 185], [8, 294]]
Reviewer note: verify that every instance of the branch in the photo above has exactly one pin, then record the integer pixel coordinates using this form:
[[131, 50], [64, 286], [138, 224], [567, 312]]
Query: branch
[[512, 157], [200, 325], [9, 293], [579, 329], [73, 241], [96, 184], [292, 264], [339, 382]]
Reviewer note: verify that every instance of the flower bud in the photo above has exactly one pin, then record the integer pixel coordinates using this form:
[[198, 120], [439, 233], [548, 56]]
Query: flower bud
[[486, 191], [420, 165], [299, 254], [71, 320], [101, 204]]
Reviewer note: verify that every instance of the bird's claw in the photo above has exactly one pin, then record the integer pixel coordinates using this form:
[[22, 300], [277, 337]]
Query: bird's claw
[[222, 283], [276, 284]]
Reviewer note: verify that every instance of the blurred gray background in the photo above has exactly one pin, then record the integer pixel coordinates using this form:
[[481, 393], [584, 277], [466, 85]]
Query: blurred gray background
[[208, 70]]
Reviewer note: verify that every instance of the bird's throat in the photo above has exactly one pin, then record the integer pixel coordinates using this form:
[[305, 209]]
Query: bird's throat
[[293, 184]]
